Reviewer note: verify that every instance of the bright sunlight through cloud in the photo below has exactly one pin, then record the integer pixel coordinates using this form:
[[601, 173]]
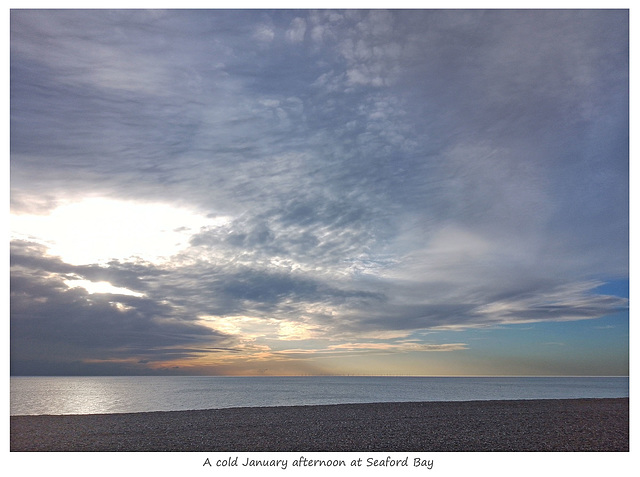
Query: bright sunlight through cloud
[[100, 287], [97, 230]]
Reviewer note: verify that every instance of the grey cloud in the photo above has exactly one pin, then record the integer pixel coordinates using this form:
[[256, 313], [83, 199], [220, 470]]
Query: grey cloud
[[229, 288], [32, 257], [401, 168], [50, 321], [545, 304], [297, 30]]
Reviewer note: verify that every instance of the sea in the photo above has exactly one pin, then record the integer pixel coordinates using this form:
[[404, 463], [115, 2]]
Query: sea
[[118, 394]]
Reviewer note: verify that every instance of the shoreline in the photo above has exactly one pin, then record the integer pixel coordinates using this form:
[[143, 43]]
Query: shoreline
[[538, 425]]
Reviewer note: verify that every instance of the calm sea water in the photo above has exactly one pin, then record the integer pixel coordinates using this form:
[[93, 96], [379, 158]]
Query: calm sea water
[[99, 395]]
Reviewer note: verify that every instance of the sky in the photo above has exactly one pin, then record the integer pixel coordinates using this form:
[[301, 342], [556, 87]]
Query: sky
[[313, 192]]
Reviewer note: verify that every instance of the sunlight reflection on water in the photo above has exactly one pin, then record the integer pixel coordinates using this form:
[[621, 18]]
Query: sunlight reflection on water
[[98, 395]]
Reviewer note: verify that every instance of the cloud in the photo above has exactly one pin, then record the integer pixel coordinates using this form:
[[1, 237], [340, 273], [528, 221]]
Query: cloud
[[264, 33], [404, 346], [54, 321], [380, 172], [297, 29], [117, 63]]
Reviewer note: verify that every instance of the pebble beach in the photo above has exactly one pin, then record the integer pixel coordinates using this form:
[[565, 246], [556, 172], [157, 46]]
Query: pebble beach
[[546, 425]]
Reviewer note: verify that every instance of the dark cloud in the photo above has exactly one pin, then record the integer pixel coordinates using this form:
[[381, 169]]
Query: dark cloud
[[52, 322]]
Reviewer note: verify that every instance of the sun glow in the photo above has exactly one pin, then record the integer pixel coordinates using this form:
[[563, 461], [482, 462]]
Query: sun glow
[[101, 287], [256, 327], [97, 230]]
